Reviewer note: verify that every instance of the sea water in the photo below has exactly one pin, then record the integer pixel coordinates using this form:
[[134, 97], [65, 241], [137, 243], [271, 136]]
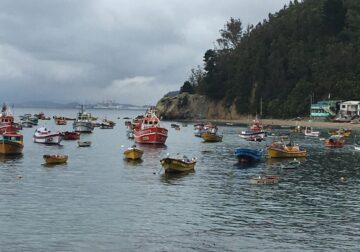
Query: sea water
[[99, 202]]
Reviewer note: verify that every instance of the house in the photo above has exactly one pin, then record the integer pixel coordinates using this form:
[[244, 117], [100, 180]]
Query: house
[[349, 108]]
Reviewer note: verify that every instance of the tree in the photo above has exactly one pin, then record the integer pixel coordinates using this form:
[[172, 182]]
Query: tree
[[231, 34], [187, 88]]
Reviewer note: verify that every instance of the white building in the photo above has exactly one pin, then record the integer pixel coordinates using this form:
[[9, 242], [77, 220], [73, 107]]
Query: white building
[[350, 108]]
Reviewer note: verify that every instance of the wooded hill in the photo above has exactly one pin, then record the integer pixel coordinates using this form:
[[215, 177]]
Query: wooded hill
[[308, 48]]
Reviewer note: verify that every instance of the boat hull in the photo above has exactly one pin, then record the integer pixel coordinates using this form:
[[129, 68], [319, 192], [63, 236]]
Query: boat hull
[[85, 127], [211, 137], [55, 159], [84, 143], [177, 165], [133, 153], [246, 155], [48, 139], [265, 180], [10, 147], [71, 135], [281, 153], [155, 135]]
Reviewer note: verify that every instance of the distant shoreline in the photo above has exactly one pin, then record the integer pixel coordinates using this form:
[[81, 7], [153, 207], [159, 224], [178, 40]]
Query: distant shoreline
[[283, 122]]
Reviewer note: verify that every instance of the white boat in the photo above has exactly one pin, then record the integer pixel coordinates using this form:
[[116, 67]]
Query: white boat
[[45, 136], [84, 143], [83, 122], [311, 133]]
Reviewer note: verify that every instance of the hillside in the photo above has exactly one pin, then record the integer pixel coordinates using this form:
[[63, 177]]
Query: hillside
[[307, 49]]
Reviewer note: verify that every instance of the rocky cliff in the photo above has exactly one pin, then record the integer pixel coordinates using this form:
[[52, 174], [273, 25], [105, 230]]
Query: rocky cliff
[[194, 106]]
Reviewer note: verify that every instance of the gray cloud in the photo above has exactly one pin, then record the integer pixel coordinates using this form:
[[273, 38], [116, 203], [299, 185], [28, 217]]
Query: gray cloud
[[129, 51]]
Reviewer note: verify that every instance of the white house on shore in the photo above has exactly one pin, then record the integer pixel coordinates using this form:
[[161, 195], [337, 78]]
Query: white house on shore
[[349, 108]]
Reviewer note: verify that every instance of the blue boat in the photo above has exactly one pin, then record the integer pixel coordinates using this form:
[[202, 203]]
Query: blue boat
[[247, 155]]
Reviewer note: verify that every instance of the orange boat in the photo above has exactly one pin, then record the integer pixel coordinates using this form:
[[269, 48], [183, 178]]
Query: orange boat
[[55, 159], [335, 141], [60, 120], [11, 143]]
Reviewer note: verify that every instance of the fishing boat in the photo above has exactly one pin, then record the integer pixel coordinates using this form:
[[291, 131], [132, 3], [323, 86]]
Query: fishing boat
[[254, 132], [11, 143], [7, 123], [343, 132], [106, 124], [335, 141], [27, 123], [211, 134], [280, 149], [199, 129], [311, 133], [60, 121], [55, 159], [178, 165], [71, 135], [83, 122], [84, 143], [133, 153], [265, 180], [248, 155], [148, 130], [45, 136]]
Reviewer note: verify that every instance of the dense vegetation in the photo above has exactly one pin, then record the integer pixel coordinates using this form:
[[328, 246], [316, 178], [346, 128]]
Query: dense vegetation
[[308, 48]]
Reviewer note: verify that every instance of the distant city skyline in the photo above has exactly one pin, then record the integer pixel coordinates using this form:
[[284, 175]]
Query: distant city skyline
[[129, 51]]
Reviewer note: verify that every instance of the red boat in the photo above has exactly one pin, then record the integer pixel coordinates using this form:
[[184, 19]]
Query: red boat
[[335, 141], [7, 121], [148, 130], [71, 135]]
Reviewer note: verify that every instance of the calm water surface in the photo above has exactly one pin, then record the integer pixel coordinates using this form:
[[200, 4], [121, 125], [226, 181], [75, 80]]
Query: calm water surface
[[99, 202]]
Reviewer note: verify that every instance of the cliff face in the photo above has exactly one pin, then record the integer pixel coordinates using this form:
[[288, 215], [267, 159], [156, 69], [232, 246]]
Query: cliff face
[[193, 106]]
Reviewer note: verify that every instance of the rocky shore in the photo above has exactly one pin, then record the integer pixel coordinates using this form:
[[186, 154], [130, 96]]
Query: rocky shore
[[193, 107]]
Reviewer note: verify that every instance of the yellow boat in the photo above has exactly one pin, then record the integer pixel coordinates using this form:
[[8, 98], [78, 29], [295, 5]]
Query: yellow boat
[[133, 153], [55, 159], [211, 137], [173, 165], [279, 149], [343, 132]]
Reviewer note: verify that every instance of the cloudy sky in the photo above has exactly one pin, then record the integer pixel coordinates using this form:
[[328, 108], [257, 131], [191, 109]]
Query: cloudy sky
[[130, 51]]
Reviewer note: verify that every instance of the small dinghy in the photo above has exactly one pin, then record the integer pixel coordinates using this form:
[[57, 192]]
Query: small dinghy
[[84, 143], [55, 159], [265, 180]]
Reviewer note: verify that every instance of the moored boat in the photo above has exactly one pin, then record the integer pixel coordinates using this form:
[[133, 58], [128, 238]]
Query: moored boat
[[265, 180], [55, 159], [335, 141], [311, 133], [148, 129], [211, 137], [133, 153], [279, 149], [71, 135], [45, 136], [342, 132], [83, 122], [177, 165], [248, 155], [60, 120], [84, 143], [254, 132], [11, 143]]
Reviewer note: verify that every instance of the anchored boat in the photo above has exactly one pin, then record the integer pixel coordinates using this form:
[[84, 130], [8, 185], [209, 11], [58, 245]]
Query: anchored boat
[[55, 159], [45, 136], [178, 165], [280, 149], [133, 153]]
